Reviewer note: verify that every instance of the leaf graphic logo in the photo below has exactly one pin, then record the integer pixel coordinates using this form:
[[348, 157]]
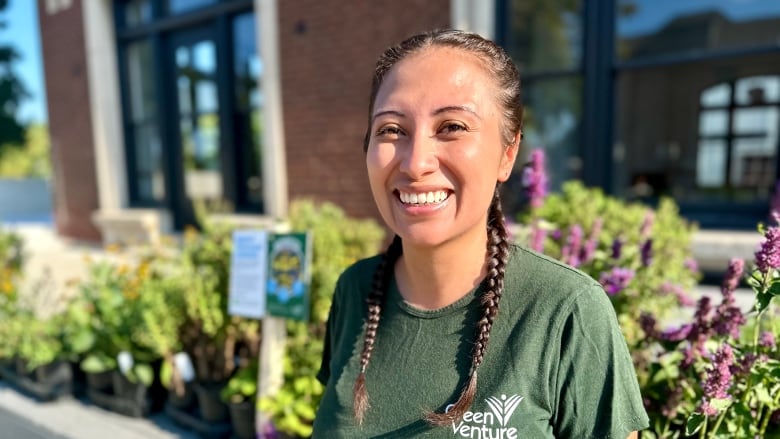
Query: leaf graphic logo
[[504, 408]]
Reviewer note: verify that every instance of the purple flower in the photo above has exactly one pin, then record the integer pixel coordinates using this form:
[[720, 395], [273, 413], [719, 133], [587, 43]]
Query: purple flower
[[647, 322], [677, 334], [767, 340], [570, 253], [732, 277], [593, 241], [682, 297], [538, 235], [556, 234], [768, 255], [616, 280], [706, 409], [647, 252], [692, 265], [269, 431], [617, 248], [742, 366], [718, 380], [535, 179], [728, 320]]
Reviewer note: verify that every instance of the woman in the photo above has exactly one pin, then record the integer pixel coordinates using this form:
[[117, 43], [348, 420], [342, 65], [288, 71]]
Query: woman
[[408, 331]]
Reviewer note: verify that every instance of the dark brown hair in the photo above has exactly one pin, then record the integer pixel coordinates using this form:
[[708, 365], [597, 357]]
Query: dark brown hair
[[507, 81]]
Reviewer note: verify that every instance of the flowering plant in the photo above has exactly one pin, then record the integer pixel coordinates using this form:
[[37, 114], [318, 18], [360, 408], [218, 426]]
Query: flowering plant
[[718, 376], [640, 255]]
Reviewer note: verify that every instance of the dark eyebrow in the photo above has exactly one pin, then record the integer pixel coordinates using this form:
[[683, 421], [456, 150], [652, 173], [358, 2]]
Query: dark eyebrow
[[449, 108], [385, 112], [436, 112]]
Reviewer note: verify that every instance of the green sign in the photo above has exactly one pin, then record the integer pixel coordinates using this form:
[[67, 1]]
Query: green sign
[[289, 274]]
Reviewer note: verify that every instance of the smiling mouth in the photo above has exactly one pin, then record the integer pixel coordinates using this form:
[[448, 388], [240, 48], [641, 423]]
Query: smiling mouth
[[423, 198]]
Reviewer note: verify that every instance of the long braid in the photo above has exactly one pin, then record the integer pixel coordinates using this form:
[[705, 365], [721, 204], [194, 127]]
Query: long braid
[[379, 286], [497, 257]]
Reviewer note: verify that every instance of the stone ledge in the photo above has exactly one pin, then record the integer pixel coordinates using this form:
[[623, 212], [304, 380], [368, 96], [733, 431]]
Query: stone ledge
[[713, 249], [132, 226]]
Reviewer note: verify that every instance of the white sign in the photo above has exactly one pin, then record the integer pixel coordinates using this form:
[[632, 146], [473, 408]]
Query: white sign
[[248, 265]]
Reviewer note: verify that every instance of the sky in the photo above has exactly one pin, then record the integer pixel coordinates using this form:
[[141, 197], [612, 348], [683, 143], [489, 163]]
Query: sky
[[21, 32]]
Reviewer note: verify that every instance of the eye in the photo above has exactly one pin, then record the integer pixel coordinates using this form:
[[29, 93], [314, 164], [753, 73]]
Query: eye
[[392, 131], [452, 127]]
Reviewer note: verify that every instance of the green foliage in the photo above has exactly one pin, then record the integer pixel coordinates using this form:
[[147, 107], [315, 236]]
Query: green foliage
[[338, 242], [30, 159], [652, 288], [242, 386]]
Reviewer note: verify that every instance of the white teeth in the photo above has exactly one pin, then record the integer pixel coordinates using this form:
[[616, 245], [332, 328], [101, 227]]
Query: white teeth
[[423, 198]]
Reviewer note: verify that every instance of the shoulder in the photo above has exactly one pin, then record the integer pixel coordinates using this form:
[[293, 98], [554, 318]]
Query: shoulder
[[550, 289], [355, 281], [534, 271]]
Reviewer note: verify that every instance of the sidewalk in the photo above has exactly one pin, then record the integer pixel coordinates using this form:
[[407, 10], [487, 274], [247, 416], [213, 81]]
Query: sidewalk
[[70, 418]]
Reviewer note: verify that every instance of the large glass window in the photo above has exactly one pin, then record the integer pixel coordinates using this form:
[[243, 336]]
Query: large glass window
[[146, 146], [545, 40], [703, 142], [192, 100], [658, 28], [248, 70], [544, 35]]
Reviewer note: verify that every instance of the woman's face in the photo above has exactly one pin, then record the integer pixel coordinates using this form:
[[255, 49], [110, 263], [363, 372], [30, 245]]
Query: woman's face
[[435, 153]]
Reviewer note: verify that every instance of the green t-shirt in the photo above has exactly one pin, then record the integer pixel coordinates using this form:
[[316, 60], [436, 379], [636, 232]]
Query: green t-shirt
[[556, 365]]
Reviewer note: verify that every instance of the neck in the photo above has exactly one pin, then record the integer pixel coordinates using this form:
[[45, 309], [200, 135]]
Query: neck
[[434, 277]]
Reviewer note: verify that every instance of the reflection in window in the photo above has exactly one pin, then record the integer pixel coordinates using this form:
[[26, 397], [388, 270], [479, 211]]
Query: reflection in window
[[138, 12], [544, 35], [248, 70], [738, 148], [146, 145], [653, 28], [552, 122], [181, 6]]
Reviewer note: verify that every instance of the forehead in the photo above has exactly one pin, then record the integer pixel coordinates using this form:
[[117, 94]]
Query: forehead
[[438, 74]]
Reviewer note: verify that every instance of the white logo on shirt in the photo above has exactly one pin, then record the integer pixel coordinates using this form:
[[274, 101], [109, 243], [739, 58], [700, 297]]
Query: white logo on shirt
[[489, 425]]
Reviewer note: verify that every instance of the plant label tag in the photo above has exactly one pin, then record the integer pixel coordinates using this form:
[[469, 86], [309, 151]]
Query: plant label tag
[[183, 364], [125, 362]]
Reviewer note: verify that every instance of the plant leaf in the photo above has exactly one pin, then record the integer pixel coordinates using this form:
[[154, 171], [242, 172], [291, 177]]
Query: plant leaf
[[694, 423]]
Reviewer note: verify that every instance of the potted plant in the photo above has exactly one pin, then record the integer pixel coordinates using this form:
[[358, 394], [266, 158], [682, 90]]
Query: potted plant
[[240, 394]]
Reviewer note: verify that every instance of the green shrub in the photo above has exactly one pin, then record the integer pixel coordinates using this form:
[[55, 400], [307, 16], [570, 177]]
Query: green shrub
[[658, 279]]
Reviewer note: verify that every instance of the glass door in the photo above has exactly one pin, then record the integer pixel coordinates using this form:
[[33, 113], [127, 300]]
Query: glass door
[[195, 123]]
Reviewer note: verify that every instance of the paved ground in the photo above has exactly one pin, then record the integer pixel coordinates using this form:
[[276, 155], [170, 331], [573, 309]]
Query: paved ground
[[22, 417]]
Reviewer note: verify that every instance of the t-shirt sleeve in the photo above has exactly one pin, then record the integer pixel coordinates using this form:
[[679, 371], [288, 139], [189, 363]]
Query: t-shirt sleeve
[[597, 388]]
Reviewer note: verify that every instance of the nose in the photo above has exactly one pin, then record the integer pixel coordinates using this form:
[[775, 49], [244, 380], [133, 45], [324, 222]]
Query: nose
[[419, 157]]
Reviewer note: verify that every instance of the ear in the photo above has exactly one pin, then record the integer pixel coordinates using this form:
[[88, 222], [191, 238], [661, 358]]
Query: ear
[[508, 157]]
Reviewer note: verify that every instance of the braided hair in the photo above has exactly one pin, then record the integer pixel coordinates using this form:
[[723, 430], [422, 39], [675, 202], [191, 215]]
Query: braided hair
[[507, 80]]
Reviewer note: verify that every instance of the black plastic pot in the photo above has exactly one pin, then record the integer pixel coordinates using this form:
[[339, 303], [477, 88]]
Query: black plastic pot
[[101, 381], [185, 401], [55, 372], [242, 417], [212, 409], [128, 390]]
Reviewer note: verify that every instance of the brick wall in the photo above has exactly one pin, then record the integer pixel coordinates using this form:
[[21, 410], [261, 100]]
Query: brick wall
[[328, 51], [74, 184]]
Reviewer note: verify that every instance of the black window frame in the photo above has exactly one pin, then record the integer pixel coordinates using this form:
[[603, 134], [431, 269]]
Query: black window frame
[[600, 70], [158, 31]]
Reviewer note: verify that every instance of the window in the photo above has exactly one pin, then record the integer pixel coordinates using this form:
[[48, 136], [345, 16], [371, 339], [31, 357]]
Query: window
[[738, 136], [545, 40], [649, 29], [146, 161], [192, 101]]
